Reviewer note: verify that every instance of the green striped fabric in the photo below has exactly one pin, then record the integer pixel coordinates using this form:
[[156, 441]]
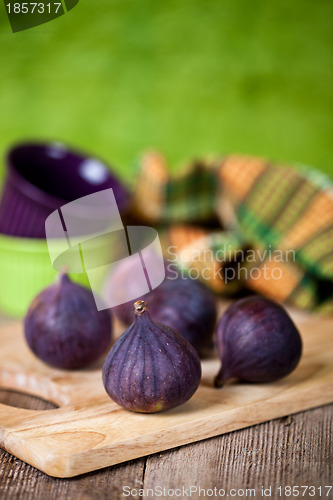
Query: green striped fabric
[[281, 217]]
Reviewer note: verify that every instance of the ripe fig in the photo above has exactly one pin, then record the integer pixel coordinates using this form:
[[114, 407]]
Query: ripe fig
[[186, 306], [64, 328], [257, 342], [151, 368]]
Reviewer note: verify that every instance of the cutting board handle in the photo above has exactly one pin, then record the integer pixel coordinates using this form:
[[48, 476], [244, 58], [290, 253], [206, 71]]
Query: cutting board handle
[[11, 416], [39, 385]]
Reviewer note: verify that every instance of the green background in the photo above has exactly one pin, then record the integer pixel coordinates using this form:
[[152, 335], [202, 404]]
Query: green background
[[189, 78]]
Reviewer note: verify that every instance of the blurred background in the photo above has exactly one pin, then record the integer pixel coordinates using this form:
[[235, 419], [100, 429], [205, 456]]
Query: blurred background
[[189, 78]]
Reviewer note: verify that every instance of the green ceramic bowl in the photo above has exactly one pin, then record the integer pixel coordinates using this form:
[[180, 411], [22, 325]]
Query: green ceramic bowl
[[25, 269]]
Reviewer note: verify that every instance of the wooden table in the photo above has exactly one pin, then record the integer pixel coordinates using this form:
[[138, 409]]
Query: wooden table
[[292, 451]]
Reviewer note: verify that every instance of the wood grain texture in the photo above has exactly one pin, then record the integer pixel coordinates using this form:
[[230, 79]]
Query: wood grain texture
[[89, 431], [288, 451], [295, 450]]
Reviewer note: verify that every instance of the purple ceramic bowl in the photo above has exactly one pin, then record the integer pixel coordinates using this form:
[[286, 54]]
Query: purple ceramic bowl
[[42, 178]]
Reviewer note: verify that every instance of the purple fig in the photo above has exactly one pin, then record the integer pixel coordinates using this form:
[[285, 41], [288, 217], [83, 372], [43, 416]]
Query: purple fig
[[257, 342], [64, 328], [185, 305], [151, 368]]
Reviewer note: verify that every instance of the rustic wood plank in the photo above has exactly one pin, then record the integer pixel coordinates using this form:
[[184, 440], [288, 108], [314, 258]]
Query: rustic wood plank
[[90, 431], [20, 481], [294, 450], [21, 400]]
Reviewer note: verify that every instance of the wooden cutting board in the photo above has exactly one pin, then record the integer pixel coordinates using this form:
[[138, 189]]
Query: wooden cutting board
[[89, 431]]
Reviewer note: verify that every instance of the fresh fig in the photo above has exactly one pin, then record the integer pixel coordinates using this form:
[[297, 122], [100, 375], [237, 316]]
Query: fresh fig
[[64, 328], [151, 368], [183, 304], [257, 342]]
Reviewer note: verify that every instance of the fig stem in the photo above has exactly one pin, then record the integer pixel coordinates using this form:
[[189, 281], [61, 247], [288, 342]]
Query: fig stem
[[63, 278], [140, 306]]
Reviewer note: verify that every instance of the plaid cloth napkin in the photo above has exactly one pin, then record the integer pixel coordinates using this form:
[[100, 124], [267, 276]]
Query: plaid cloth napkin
[[241, 222]]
